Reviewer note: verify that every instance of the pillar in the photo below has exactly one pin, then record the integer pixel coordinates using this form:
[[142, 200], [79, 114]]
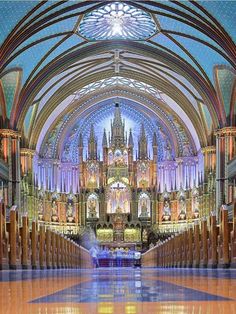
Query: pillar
[[225, 151], [11, 155]]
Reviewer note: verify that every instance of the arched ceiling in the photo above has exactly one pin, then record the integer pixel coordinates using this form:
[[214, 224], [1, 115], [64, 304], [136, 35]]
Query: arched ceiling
[[47, 60]]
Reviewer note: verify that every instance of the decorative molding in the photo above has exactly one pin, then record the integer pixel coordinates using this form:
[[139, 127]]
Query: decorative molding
[[9, 133], [227, 131]]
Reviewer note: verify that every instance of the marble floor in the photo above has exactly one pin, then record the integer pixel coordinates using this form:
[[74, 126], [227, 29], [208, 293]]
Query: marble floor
[[118, 290]]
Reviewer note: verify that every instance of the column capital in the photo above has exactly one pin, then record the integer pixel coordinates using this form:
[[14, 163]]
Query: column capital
[[10, 133], [179, 160], [208, 149], [231, 130], [27, 152]]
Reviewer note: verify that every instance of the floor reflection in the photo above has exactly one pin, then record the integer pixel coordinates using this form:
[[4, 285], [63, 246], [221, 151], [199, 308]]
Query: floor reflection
[[118, 291]]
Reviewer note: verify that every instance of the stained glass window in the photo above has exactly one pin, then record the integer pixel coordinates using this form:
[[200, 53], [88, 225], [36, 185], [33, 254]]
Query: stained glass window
[[117, 21]]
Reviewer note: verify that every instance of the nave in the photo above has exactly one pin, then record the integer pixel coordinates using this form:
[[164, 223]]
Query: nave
[[118, 290]]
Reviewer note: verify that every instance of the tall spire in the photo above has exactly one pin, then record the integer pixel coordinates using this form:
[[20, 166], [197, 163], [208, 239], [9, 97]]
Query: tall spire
[[117, 121], [92, 145], [117, 129], [92, 134], [142, 145], [104, 139], [154, 146], [130, 141], [81, 147]]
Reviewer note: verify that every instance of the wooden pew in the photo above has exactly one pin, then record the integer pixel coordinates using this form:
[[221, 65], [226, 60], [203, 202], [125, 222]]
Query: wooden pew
[[204, 243], [42, 247], [14, 240], [24, 231], [34, 245], [212, 242], [190, 248], [223, 239], [4, 239], [48, 249], [233, 239], [196, 250]]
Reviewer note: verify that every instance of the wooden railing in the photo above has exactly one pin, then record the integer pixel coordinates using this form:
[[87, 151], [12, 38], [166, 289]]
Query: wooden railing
[[36, 247], [199, 246]]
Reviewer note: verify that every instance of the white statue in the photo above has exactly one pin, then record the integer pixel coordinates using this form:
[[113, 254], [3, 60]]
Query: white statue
[[166, 208], [186, 150], [167, 151], [70, 210]]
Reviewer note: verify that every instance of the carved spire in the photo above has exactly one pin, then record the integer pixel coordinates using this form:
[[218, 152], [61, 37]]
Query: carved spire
[[143, 154], [92, 145], [104, 139], [154, 146], [131, 141], [117, 128]]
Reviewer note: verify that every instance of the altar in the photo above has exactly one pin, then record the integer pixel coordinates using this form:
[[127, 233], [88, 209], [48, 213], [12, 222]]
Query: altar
[[120, 233]]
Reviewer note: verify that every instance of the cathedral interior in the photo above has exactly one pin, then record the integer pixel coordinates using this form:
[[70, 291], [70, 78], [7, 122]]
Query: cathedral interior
[[118, 125]]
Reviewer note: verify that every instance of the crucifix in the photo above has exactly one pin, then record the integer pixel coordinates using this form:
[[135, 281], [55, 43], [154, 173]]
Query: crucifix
[[117, 191]]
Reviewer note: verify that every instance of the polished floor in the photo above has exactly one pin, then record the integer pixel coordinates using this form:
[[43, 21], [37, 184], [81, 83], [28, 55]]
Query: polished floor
[[118, 290]]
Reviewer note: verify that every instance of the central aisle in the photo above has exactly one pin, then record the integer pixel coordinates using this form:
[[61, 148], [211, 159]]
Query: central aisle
[[118, 290]]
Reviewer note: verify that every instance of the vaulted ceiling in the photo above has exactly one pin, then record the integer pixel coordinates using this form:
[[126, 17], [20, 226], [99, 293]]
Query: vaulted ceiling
[[175, 62]]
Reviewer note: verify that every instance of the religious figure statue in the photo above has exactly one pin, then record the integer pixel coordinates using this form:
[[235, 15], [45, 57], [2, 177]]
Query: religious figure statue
[[182, 209], [70, 210], [92, 204], [166, 211], [166, 207], [49, 145], [196, 206], [186, 150], [40, 211], [144, 212], [54, 211], [167, 151], [66, 154]]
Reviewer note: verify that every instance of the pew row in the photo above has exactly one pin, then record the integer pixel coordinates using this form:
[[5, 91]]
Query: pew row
[[36, 247], [201, 245]]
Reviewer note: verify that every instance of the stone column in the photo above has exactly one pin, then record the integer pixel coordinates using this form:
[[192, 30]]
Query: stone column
[[26, 161], [225, 151], [10, 141]]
